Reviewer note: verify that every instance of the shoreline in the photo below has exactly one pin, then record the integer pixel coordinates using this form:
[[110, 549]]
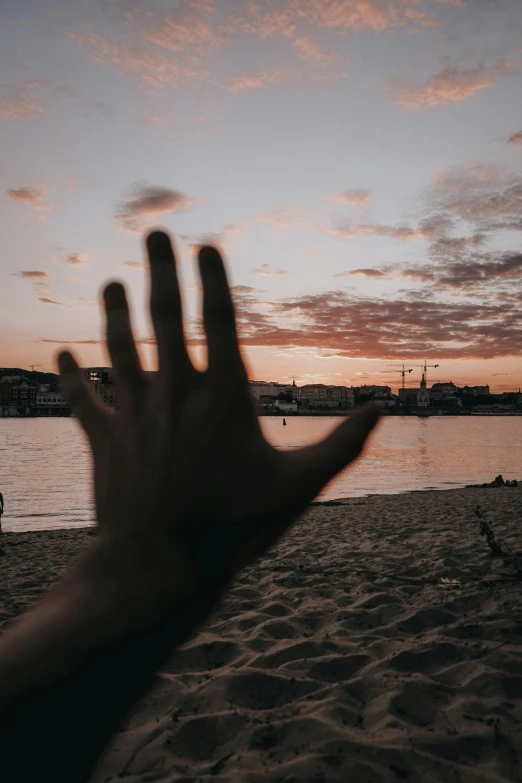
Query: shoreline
[[316, 414], [331, 503]]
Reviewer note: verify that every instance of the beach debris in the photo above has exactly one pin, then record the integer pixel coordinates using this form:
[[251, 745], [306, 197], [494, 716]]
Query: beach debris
[[498, 481], [445, 582], [497, 546]]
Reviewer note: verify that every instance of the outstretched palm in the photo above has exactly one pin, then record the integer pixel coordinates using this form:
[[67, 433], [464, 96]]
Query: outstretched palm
[[185, 483]]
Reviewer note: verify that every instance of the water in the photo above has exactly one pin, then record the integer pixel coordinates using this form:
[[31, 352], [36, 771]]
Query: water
[[45, 470]]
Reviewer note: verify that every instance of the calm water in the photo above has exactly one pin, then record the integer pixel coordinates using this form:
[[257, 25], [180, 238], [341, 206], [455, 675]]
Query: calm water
[[45, 463]]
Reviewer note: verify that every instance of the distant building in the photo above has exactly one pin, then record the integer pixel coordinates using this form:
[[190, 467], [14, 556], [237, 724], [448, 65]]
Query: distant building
[[286, 407], [50, 399], [475, 390], [21, 394], [381, 394], [320, 395], [101, 380], [375, 391], [444, 396], [265, 392], [408, 397], [447, 387]]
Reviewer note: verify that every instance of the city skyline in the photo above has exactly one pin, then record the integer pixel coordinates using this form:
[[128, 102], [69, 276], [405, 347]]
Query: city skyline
[[360, 164], [412, 383]]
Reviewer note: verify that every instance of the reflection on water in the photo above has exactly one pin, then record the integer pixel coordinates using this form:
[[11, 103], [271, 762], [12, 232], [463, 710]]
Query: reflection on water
[[45, 463]]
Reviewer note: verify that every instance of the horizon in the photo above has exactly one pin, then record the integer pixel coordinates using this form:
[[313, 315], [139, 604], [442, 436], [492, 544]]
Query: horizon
[[412, 384], [360, 167]]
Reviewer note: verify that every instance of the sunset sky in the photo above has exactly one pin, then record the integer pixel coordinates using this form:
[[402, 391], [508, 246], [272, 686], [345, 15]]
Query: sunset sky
[[358, 161]]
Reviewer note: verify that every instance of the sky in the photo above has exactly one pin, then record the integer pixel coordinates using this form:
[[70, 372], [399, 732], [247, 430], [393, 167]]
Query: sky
[[359, 163]]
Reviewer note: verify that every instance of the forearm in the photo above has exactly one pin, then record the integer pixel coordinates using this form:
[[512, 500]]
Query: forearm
[[67, 685]]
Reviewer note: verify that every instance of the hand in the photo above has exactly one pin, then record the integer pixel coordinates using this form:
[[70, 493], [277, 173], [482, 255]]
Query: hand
[[187, 489]]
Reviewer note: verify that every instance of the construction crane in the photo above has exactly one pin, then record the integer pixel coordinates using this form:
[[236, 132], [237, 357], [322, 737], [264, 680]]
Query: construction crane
[[425, 368], [32, 366], [400, 368]]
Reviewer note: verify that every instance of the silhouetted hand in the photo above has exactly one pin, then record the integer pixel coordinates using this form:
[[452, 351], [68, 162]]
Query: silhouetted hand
[[187, 488]]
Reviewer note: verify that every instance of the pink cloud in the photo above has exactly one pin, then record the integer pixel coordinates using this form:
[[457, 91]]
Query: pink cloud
[[268, 270], [34, 197], [450, 86], [77, 259], [153, 68], [147, 202], [47, 300], [516, 138], [34, 275], [19, 102], [350, 230], [134, 265], [372, 273], [287, 217], [353, 198], [256, 80], [176, 47]]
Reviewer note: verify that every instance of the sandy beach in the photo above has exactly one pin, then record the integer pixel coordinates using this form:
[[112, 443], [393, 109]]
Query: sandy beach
[[380, 641]]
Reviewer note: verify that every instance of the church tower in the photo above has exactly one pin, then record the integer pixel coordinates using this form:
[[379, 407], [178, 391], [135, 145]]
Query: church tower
[[423, 395]]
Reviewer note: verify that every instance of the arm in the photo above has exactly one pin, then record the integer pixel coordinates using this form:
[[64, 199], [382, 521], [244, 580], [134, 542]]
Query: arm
[[187, 492], [67, 683]]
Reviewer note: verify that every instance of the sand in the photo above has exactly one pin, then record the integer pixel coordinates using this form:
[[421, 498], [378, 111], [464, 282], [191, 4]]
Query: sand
[[341, 657]]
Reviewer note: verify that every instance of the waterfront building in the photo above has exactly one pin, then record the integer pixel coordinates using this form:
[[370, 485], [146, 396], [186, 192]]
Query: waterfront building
[[320, 395], [101, 380]]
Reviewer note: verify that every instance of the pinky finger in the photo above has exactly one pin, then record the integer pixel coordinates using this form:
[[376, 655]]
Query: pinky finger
[[82, 401]]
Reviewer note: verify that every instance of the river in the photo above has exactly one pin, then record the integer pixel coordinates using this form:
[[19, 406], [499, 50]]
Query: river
[[45, 469]]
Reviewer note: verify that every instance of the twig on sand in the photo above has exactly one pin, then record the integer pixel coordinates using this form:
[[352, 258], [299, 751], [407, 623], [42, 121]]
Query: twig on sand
[[498, 547]]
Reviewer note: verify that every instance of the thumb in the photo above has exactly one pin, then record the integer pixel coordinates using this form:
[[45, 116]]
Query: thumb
[[319, 463]]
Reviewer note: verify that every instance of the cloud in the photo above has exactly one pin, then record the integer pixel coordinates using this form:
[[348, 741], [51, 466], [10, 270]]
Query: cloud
[[225, 238], [450, 86], [41, 287], [86, 300], [71, 342], [461, 210], [46, 300], [287, 217], [34, 274], [463, 274], [243, 289], [134, 264], [149, 201], [189, 28], [256, 80], [19, 102], [353, 198], [376, 328], [34, 197], [268, 270], [348, 229], [154, 69], [178, 47], [308, 49], [375, 273], [489, 198], [77, 259], [266, 20], [516, 138]]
